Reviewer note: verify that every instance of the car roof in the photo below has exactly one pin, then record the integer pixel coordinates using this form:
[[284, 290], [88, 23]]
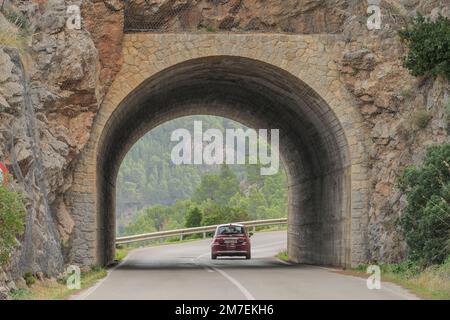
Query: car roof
[[230, 224]]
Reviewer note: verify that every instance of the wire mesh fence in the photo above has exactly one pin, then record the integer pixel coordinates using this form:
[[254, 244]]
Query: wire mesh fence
[[230, 15], [146, 15], [180, 15]]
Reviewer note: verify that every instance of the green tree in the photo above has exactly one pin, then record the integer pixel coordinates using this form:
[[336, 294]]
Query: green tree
[[214, 214], [194, 218], [429, 46], [425, 221], [12, 214], [211, 213], [148, 178], [219, 188]]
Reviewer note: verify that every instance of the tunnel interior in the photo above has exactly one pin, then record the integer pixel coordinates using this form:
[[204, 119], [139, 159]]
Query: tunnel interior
[[313, 146]]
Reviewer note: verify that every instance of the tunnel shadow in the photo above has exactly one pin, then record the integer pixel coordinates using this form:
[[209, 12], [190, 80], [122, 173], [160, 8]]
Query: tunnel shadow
[[192, 264]]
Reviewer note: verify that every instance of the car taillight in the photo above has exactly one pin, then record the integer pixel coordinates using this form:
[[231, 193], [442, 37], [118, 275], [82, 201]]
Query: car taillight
[[242, 241], [218, 241]]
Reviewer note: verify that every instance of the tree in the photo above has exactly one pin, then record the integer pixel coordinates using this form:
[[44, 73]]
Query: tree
[[219, 188], [147, 178], [429, 46], [425, 221], [194, 218], [211, 213]]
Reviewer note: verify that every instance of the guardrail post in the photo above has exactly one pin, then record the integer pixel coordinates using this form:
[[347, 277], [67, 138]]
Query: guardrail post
[[254, 229], [181, 237], [204, 235]]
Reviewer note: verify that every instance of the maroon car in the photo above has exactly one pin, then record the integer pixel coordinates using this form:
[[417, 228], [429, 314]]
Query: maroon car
[[231, 240]]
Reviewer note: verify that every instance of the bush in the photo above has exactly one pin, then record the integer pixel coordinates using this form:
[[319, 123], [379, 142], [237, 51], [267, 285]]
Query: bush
[[422, 118], [194, 218], [429, 47], [425, 221], [447, 113], [12, 215], [29, 279]]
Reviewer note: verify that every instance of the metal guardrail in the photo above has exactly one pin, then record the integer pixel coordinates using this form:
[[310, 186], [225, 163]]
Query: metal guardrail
[[196, 230]]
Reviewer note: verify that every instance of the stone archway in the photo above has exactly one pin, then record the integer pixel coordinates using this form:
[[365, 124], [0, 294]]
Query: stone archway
[[295, 88]]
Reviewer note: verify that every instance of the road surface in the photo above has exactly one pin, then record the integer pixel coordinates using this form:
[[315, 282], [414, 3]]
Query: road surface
[[185, 271]]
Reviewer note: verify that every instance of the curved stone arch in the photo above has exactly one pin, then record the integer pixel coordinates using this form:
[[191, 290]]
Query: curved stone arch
[[146, 55]]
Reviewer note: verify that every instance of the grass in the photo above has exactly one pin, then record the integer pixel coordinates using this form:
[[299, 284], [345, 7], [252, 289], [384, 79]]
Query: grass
[[271, 228], [421, 119], [283, 256], [121, 253], [432, 283], [57, 290], [16, 34]]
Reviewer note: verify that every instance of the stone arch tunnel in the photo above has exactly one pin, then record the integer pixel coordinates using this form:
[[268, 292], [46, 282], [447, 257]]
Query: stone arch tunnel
[[320, 141]]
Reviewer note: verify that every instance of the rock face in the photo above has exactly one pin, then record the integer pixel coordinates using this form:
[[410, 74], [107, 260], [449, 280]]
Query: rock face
[[298, 16], [66, 83], [71, 70], [389, 97]]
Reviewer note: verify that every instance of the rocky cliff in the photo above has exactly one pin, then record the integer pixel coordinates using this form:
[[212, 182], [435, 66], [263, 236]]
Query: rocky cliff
[[69, 71]]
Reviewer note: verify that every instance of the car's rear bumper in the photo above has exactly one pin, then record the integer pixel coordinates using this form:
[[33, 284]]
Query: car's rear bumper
[[221, 250], [231, 252]]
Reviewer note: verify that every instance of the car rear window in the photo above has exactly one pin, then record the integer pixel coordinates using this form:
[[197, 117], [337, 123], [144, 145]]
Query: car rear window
[[224, 230]]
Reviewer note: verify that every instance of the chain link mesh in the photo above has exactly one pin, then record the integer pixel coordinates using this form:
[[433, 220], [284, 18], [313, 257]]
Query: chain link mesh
[[196, 15]]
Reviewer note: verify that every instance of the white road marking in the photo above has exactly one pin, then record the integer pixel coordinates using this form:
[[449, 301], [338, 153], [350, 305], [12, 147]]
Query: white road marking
[[87, 292], [197, 262], [238, 285], [209, 269], [235, 282]]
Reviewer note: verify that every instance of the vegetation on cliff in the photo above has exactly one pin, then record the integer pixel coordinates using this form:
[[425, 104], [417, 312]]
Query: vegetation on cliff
[[425, 225], [15, 31], [429, 46], [425, 220], [12, 214]]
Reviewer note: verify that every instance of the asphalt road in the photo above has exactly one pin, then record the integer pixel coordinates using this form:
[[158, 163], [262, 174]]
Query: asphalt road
[[185, 271]]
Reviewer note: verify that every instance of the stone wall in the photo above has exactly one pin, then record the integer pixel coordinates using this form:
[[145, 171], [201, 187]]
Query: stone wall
[[305, 59]]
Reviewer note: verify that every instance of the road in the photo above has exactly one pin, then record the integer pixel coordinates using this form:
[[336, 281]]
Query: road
[[185, 271]]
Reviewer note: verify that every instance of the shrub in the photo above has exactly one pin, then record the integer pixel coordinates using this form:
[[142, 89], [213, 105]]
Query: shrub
[[12, 214], [194, 218], [447, 112], [425, 220], [29, 279], [421, 119], [429, 46]]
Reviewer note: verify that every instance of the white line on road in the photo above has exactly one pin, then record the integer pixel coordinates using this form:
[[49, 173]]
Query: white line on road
[[238, 285], [207, 269]]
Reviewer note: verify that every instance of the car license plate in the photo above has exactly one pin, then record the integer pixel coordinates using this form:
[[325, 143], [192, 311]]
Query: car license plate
[[230, 241]]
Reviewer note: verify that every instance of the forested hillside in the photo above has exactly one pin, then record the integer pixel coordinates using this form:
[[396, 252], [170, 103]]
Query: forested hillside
[[154, 194]]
